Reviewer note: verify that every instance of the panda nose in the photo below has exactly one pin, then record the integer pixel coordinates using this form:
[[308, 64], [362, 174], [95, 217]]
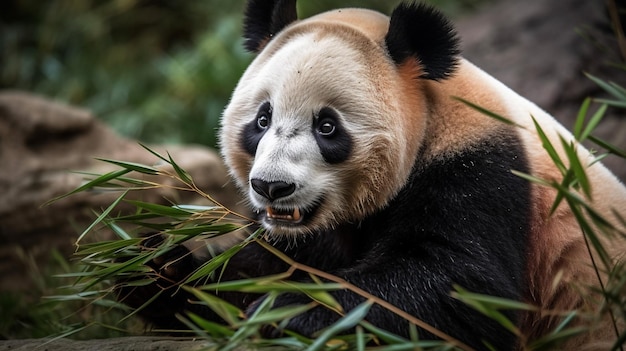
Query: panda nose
[[272, 190]]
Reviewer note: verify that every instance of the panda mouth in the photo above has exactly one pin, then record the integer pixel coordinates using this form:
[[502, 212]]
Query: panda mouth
[[293, 216], [285, 216]]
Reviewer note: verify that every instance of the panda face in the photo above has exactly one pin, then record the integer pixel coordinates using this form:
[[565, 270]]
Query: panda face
[[313, 133], [294, 157]]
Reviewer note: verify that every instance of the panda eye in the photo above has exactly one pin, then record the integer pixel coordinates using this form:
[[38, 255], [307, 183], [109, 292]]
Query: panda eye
[[262, 121], [333, 139], [263, 116], [326, 124], [326, 128]]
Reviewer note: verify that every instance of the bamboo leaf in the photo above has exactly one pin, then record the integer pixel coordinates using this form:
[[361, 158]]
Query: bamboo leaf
[[240, 284], [361, 340], [275, 283], [324, 298], [492, 301], [275, 315], [553, 340], [609, 147], [137, 217], [211, 265], [81, 296], [612, 103], [248, 329], [154, 152], [204, 229], [547, 145], [225, 310], [580, 119], [349, 321], [531, 178], [198, 208], [101, 217], [161, 210], [562, 189], [182, 174], [121, 233], [132, 166], [385, 336], [198, 331], [214, 329], [106, 247], [134, 264], [490, 306], [140, 183], [591, 235], [593, 123], [619, 88], [565, 322], [142, 282], [89, 185], [577, 167], [72, 331], [610, 88]]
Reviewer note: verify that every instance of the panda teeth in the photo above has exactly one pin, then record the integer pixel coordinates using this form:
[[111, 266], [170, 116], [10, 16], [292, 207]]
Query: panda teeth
[[296, 216], [284, 215]]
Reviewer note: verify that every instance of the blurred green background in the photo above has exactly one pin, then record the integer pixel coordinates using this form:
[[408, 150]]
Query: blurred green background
[[155, 70]]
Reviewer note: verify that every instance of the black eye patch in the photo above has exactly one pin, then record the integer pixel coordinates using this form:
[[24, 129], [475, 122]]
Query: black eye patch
[[253, 131], [333, 140]]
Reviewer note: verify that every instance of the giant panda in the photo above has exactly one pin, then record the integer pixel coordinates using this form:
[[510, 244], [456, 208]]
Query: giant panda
[[345, 136]]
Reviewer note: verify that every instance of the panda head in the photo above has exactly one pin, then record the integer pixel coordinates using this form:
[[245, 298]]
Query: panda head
[[325, 125]]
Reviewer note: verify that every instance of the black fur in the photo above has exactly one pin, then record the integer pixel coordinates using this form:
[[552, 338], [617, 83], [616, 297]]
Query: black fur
[[462, 220], [420, 32], [251, 134], [264, 19], [337, 147]]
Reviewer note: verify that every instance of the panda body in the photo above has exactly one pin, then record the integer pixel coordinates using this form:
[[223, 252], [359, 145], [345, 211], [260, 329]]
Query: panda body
[[344, 135], [425, 183]]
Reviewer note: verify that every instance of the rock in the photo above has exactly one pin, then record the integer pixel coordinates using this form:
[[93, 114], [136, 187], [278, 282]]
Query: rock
[[541, 49], [40, 143], [115, 344], [135, 343]]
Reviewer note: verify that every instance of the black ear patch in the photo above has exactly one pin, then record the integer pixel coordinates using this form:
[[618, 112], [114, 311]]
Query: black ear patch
[[265, 18], [420, 32]]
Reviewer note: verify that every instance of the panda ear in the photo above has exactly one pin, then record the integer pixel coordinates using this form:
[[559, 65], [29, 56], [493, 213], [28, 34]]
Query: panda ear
[[420, 32], [265, 18]]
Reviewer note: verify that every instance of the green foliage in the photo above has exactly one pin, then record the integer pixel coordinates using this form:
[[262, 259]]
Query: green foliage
[[157, 71], [54, 307]]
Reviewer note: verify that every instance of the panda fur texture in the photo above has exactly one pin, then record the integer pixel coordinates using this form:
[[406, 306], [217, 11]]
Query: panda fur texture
[[345, 137]]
